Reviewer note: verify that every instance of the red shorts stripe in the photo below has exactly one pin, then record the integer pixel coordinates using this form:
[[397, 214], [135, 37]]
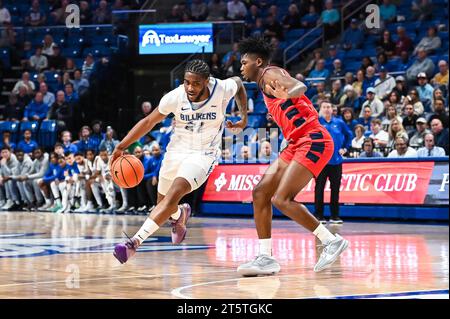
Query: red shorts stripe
[[313, 150]]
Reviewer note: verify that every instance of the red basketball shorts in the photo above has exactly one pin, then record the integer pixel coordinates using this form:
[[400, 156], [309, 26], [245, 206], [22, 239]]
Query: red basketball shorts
[[312, 150]]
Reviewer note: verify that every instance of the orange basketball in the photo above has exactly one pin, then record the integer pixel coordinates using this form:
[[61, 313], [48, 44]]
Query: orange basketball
[[127, 171]]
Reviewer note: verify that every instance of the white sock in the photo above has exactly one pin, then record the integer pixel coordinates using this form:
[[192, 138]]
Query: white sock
[[97, 196], [177, 214], [124, 198], [324, 235], [146, 230], [265, 246]]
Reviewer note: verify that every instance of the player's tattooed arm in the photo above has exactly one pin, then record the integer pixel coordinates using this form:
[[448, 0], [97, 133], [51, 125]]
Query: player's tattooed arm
[[241, 101], [281, 85], [140, 129]]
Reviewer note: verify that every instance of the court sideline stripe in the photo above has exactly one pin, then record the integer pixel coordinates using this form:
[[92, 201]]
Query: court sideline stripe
[[177, 291], [117, 277]]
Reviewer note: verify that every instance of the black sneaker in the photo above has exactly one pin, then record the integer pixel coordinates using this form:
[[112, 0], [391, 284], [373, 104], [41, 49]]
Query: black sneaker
[[16, 207], [336, 220]]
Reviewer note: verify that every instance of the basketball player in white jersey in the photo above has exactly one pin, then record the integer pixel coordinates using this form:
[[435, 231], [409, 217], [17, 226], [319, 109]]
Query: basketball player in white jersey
[[199, 106]]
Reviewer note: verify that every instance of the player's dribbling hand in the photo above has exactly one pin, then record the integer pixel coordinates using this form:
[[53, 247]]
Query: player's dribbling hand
[[236, 127], [115, 155]]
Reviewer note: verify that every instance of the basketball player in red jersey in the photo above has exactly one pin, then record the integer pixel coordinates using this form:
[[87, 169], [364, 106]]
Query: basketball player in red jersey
[[309, 150]]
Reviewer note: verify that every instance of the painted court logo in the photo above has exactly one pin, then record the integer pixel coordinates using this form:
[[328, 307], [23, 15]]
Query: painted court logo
[[23, 245]]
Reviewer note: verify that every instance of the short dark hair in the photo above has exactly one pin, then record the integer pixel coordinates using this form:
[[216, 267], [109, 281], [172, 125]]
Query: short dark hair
[[39, 148], [58, 144], [78, 153], [256, 45], [6, 147], [69, 83], [68, 153], [348, 109], [103, 149], [198, 67], [370, 140], [27, 130], [18, 150]]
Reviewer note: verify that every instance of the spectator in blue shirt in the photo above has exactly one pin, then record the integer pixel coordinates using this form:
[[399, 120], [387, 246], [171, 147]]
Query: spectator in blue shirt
[[330, 19], [405, 62], [259, 28], [70, 94], [151, 173], [369, 80], [80, 85], [368, 149], [88, 66], [36, 16], [352, 38], [366, 119], [425, 91], [231, 62], [48, 97], [109, 142], [27, 145], [309, 20], [388, 11], [319, 72], [342, 138], [348, 116], [37, 110], [68, 146], [85, 143], [252, 15], [96, 135]]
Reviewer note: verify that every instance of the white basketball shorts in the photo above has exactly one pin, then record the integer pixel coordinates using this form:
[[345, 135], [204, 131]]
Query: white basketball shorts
[[194, 167]]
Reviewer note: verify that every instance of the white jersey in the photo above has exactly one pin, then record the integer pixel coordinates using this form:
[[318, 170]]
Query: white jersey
[[198, 126], [84, 168], [101, 166]]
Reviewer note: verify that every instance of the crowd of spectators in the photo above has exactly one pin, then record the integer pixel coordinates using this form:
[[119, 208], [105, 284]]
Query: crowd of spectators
[[74, 176], [393, 114], [407, 102]]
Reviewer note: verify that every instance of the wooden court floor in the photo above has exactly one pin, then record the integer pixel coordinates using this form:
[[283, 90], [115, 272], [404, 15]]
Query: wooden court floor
[[44, 255]]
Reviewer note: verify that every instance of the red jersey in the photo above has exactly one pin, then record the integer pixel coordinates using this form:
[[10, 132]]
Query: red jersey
[[295, 117]]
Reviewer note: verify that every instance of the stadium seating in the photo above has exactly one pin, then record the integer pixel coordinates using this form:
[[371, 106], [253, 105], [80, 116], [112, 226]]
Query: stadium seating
[[12, 127], [47, 134]]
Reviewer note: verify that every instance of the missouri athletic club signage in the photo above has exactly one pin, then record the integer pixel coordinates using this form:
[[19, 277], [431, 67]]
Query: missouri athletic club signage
[[403, 183]]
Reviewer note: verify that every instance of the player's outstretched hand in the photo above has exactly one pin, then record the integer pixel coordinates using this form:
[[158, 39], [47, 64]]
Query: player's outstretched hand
[[277, 90]]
